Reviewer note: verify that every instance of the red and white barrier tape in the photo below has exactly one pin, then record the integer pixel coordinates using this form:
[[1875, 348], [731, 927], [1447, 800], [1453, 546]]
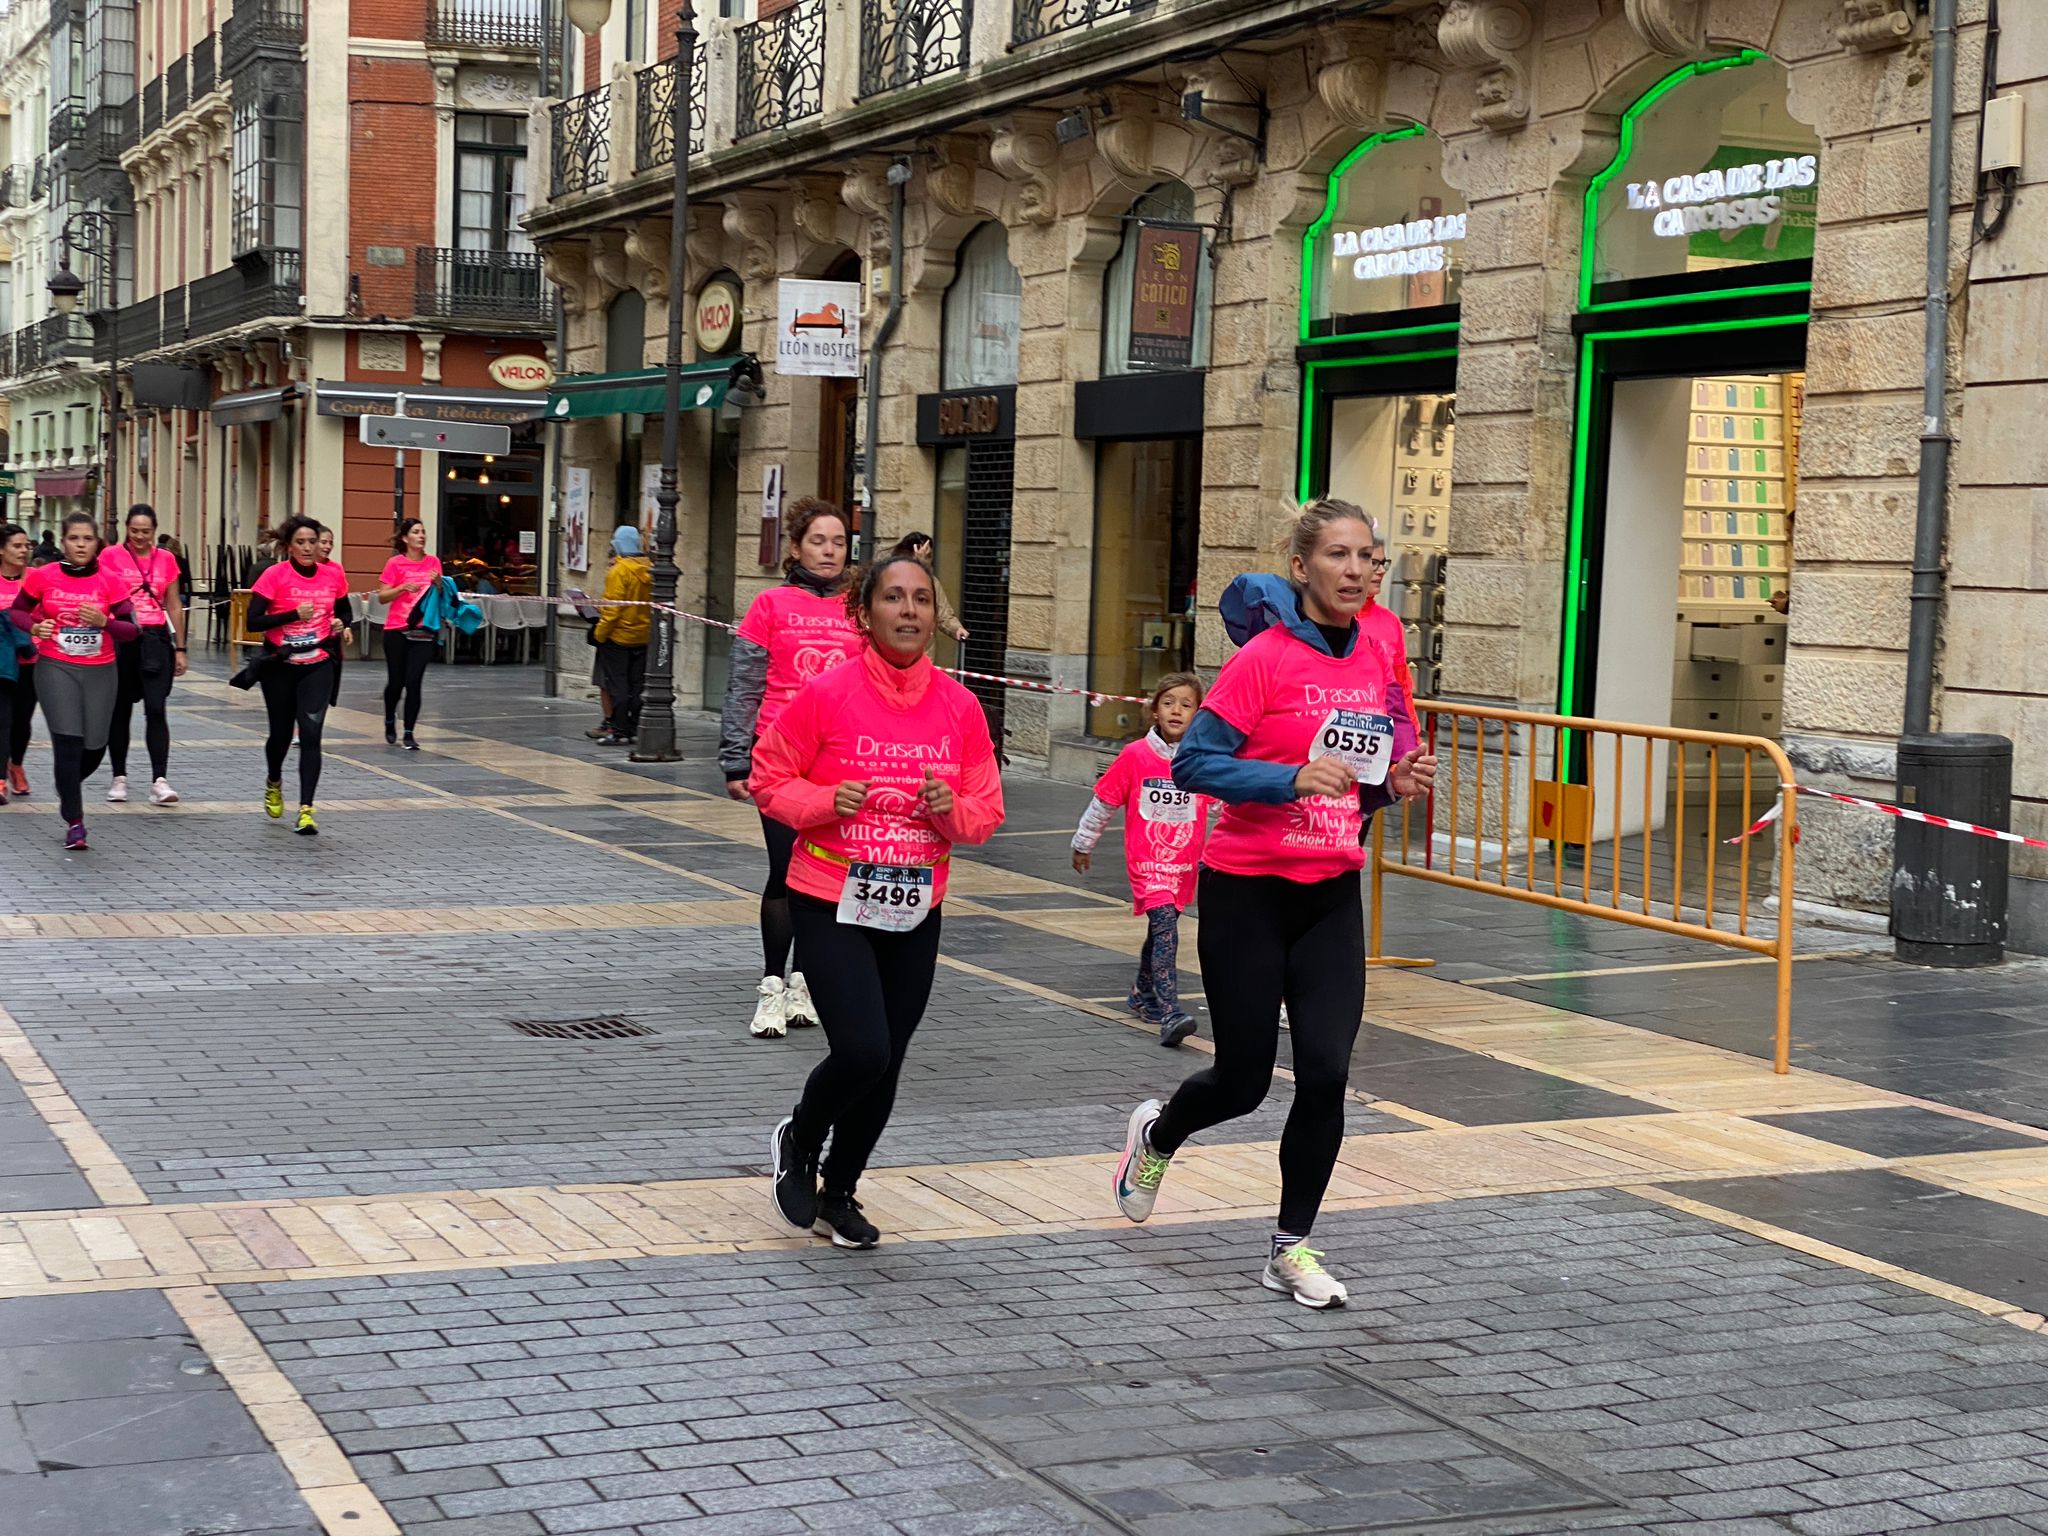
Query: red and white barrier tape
[[1888, 809]]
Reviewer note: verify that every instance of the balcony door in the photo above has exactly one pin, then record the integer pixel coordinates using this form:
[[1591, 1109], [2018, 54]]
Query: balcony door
[[490, 200]]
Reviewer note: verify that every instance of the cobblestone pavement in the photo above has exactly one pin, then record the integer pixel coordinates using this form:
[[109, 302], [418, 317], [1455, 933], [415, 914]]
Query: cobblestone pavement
[[299, 1232]]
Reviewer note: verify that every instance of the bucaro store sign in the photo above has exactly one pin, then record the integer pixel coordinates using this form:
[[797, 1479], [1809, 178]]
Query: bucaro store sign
[[1400, 250], [968, 415], [1163, 296], [524, 371], [1731, 197], [957, 416]]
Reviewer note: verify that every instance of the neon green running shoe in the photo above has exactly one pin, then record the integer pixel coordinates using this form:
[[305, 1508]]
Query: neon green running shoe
[[305, 826], [273, 801]]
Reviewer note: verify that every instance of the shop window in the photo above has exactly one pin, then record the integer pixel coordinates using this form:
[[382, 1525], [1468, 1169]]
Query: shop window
[[1391, 236], [1170, 204], [1146, 543], [983, 314], [1714, 174]]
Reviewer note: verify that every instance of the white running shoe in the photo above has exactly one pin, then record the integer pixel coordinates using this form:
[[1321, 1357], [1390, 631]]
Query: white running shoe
[[771, 1021], [117, 792], [161, 793], [1140, 1170], [797, 1008], [1299, 1272]]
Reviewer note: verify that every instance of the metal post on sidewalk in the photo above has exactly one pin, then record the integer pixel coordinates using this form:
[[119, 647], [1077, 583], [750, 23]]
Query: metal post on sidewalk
[[657, 742]]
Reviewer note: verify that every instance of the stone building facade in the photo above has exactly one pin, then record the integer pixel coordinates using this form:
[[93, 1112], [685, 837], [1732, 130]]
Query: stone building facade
[[1528, 397]]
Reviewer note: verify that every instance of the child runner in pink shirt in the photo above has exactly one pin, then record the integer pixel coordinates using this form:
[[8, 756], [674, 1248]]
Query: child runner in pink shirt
[[880, 766], [1163, 831]]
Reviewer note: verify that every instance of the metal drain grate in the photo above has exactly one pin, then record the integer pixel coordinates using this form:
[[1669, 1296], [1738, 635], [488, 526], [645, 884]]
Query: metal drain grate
[[581, 1029]]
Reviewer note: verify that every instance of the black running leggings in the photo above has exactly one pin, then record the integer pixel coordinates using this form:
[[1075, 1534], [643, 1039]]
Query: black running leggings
[[1265, 940], [405, 668], [71, 765], [154, 694], [24, 715], [777, 932], [296, 696], [870, 989]]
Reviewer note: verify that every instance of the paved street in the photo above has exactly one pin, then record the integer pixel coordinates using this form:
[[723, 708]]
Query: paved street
[[305, 1233]]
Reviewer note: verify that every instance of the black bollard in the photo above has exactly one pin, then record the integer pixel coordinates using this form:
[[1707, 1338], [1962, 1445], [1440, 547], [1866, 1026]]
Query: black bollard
[[1949, 887]]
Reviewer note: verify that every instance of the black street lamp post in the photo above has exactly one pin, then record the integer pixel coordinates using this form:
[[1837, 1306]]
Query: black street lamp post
[[657, 743], [94, 233]]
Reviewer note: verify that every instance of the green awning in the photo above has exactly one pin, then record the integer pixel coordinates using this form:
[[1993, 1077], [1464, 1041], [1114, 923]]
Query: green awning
[[581, 396]]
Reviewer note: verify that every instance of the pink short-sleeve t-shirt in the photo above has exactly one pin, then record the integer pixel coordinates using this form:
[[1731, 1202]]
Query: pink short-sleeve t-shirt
[[1164, 826], [398, 570], [59, 597], [1285, 695], [804, 634], [284, 586], [150, 578]]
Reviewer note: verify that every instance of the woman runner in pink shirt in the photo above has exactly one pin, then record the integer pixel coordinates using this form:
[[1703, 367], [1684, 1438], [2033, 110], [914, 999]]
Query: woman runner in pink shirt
[[1301, 738], [78, 612], [407, 646], [300, 606], [147, 663], [19, 714], [791, 633], [880, 766]]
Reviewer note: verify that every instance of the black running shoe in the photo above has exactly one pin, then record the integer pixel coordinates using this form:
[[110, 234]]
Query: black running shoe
[[409, 744], [839, 1218], [1176, 1029], [795, 1173], [390, 733]]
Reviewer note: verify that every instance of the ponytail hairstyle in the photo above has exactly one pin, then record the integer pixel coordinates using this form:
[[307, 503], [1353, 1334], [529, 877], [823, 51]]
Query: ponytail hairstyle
[[283, 534], [140, 509], [1306, 531], [405, 526], [803, 512], [860, 592]]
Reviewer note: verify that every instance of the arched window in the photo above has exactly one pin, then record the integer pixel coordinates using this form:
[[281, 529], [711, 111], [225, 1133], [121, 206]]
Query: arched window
[[983, 314], [1171, 202], [1391, 236]]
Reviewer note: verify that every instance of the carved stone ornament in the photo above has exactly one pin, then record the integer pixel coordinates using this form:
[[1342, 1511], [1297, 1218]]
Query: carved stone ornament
[[1496, 37], [647, 257], [380, 352], [750, 222], [608, 260], [1674, 27], [492, 88], [815, 210], [568, 266], [949, 176], [1868, 25], [704, 245], [1414, 35], [1025, 154], [1126, 138], [1353, 78]]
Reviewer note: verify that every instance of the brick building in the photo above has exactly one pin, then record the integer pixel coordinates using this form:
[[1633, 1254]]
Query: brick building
[[1608, 308], [315, 207]]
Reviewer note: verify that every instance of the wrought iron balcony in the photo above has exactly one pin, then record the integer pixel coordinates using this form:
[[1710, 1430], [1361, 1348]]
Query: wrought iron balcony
[[654, 136], [204, 78], [508, 26], [14, 187], [39, 178], [907, 42], [67, 123], [782, 68], [51, 342], [480, 285], [177, 80], [152, 107], [580, 145], [1031, 20], [261, 26]]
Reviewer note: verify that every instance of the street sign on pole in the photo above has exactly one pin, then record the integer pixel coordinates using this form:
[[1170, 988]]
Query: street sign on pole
[[447, 436]]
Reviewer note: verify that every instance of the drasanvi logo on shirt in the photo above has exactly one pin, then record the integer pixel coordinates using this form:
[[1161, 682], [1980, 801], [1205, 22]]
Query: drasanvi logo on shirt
[[1316, 696], [938, 754]]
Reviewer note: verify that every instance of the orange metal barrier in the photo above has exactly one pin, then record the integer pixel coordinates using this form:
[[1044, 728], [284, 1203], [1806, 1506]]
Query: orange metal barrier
[[1505, 819]]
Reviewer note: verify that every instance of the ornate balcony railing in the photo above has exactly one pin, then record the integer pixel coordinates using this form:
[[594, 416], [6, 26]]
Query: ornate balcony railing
[[580, 145], [51, 341], [204, 77], [39, 178], [259, 26], [67, 123], [907, 42], [177, 88], [1032, 19], [654, 138], [263, 290], [513, 26], [152, 107], [14, 187], [782, 68], [480, 285]]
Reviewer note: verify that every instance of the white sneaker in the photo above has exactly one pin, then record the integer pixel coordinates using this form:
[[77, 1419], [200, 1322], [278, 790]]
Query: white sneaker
[[771, 1022], [161, 793], [1299, 1271], [797, 1007], [1138, 1173], [117, 792]]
